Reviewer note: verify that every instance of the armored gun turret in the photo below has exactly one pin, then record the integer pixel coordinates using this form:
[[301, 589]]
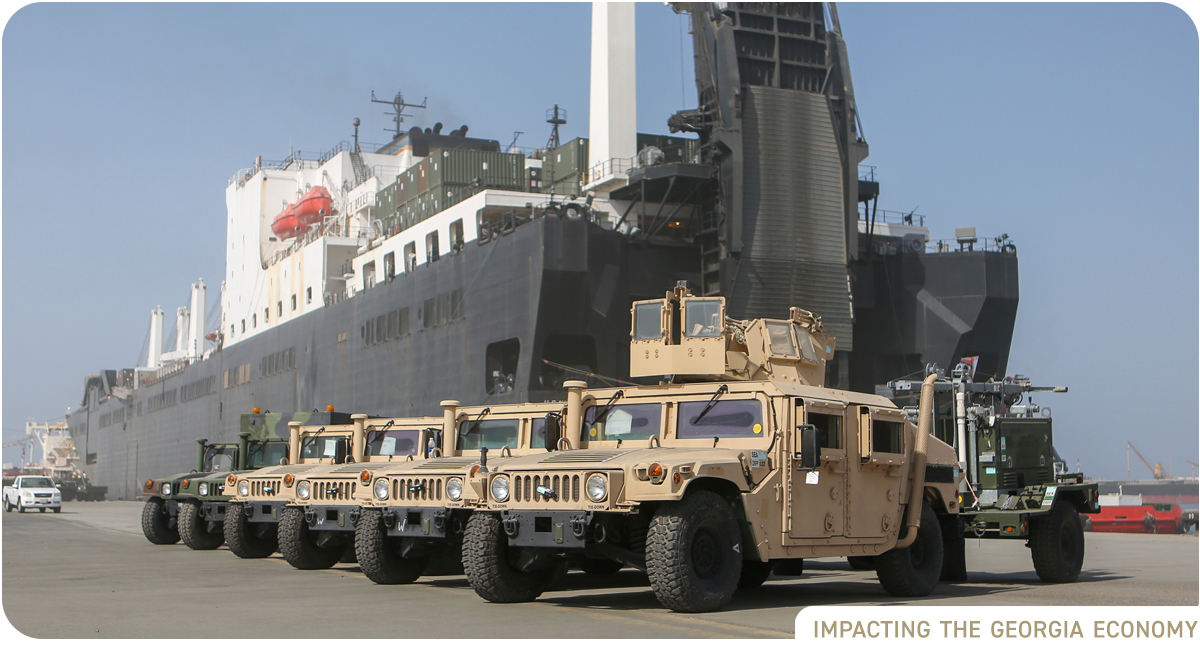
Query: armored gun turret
[[683, 337]]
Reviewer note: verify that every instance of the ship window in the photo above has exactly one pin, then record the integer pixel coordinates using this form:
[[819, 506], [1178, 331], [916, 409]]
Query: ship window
[[266, 314], [380, 328], [501, 366], [231, 327], [294, 301], [630, 421], [254, 320], [490, 433], [726, 419], [443, 309], [403, 327], [456, 304], [703, 318], [885, 437], [410, 257], [368, 275], [456, 236], [829, 429], [389, 265], [430, 310], [647, 321], [369, 333], [391, 324], [782, 342], [243, 325], [431, 247], [308, 295], [279, 309]]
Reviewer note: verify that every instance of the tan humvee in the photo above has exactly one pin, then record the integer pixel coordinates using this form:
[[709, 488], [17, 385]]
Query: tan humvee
[[708, 485], [259, 497], [411, 519], [316, 524]]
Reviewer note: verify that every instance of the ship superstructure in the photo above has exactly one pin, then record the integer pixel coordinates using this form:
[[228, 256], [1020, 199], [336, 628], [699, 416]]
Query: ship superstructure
[[383, 279]]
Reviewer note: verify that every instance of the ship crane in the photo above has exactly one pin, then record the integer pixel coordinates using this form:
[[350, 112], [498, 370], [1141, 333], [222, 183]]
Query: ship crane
[[1157, 468], [1194, 466]]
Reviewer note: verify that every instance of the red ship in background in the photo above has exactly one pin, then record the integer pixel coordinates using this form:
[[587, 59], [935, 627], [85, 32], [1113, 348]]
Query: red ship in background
[[1162, 506]]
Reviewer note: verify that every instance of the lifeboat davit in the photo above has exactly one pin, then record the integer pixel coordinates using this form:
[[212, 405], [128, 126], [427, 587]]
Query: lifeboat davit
[[312, 208]]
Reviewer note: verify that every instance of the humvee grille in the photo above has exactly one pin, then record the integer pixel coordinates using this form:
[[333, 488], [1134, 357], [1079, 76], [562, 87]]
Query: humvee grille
[[333, 490], [584, 456], [417, 490], [564, 486], [265, 487]]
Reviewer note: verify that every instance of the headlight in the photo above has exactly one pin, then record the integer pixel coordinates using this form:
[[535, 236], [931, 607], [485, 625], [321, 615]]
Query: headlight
[[244, 488], [166, 488], [454, 489], [303, 490], [204, 489], [597, 487], [381, 489], [500, 488]]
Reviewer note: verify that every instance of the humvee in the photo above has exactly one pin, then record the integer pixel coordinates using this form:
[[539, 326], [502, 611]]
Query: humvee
[[1016, 486], [412, 518], [316, 526], [738, 461], [191, 506], [252, 514]]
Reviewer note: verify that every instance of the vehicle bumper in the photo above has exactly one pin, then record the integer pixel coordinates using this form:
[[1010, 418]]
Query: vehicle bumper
[[336, 518], [213, 511], [47, 502], [546, 529], [418, 522], [261, 511]]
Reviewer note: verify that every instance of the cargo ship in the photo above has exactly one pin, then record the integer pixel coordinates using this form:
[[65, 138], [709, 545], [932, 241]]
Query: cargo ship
[[384, 278]]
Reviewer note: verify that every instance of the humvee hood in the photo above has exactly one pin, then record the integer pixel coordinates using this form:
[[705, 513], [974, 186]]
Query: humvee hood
[[615, 459]]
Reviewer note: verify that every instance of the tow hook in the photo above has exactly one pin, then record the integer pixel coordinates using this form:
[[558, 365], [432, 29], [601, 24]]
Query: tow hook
[[578, 527], [439, 521], [353, 516], [310, 517], [389, 519], [511, 526], [248, 510]]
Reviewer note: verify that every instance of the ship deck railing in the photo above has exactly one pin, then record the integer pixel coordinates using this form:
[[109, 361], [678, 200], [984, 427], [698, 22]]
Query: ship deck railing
[[893, 218]]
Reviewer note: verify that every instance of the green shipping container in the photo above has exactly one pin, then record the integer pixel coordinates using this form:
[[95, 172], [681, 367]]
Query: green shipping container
[[563, 168], [460, 167]]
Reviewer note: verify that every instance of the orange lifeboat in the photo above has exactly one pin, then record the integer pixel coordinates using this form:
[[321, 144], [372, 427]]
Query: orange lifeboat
[[310, 209]]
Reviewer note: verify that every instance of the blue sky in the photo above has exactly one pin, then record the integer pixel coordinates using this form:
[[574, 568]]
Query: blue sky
[[1070, 127]]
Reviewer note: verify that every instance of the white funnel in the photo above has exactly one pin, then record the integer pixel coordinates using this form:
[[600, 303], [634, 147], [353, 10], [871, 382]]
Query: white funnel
[[199, 311], [182, 326], [154, 356], [612, 120]]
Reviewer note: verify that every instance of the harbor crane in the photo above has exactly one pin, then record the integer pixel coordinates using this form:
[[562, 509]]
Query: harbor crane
[[1157, 468]]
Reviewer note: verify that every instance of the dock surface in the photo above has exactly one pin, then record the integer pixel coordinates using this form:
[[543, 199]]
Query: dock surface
[[105, 580]]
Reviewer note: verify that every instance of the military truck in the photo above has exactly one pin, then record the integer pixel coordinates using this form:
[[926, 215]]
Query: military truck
[[739, 460], [316, 526], [412, 518], [1016, 486], [252, 516], [191, 506]]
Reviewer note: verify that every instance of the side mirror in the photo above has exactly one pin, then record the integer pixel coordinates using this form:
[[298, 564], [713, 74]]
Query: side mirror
[[553, 431], [809, 457]]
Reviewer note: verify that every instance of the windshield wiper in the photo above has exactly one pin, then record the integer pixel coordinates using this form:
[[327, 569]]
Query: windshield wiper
[[475, 424], [711, 402], [608, 406]]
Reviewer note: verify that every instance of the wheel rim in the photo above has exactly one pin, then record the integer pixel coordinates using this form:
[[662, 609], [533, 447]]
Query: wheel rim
[[706, 554]]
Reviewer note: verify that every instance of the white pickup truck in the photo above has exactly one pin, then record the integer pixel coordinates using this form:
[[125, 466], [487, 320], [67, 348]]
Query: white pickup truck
[[32, 493]]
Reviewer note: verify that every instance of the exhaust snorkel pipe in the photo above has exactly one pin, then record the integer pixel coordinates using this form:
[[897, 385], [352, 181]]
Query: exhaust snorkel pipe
[[917, 491]]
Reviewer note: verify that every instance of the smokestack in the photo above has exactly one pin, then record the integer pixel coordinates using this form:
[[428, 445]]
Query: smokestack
[[612, 122], [154, 355], [181, 330], [199, 311]]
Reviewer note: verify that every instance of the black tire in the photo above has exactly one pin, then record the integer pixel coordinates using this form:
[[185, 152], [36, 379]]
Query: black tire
[[913, 572], [57, 509], [599, 565], [20, 507], [7, 507], [488, 568], [379, 554], [954, 550], [193, 529], [694, 553], [754, 573], [298, 543], [246, 539], [156, 523], [861, 563], [1056, 542]]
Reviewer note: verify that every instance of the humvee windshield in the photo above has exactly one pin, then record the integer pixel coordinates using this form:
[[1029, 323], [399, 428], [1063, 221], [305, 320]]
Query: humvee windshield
[[537, 434], [324, 446], [702, 318], [394, 442], [220, 457], [628, 421], [726, 419], [492, 433], [647, 321], [267, 453]]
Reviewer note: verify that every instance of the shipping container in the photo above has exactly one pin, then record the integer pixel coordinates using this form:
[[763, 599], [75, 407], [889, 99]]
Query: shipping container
[[461, 167], [563, 168]]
